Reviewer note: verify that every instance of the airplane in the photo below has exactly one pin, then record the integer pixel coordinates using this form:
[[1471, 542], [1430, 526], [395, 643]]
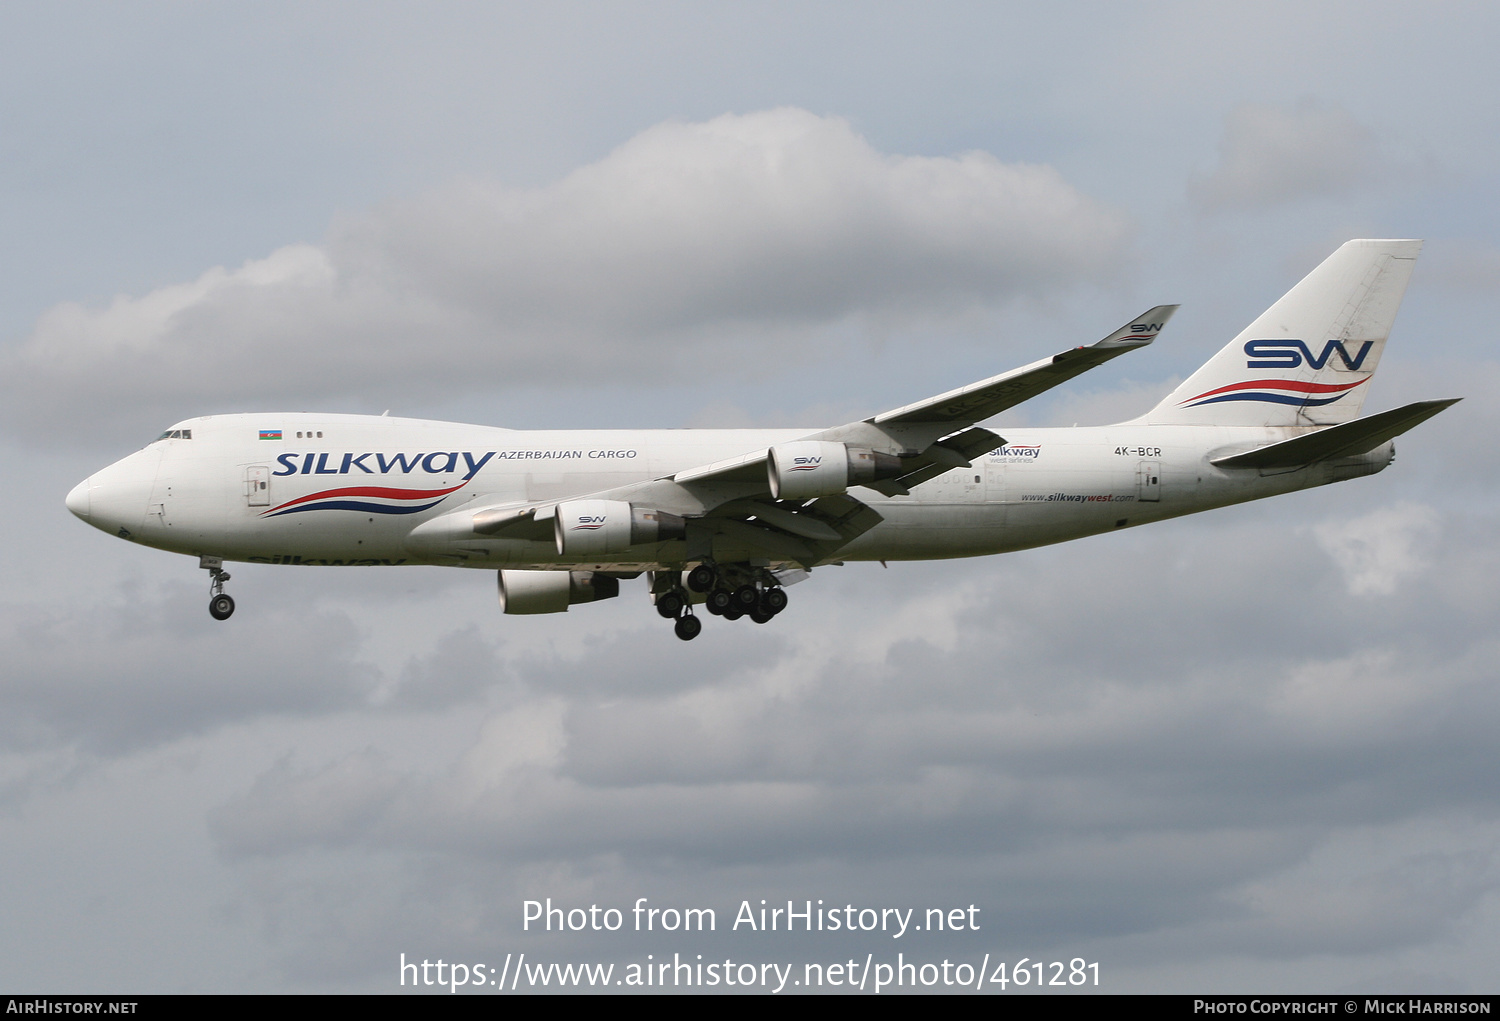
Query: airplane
[[725, 519]]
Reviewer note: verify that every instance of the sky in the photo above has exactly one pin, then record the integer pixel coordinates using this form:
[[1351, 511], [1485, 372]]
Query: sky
[[1246, 751]]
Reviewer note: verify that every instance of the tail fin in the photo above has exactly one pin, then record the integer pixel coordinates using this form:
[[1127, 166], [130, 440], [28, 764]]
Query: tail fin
[[1308, 359]]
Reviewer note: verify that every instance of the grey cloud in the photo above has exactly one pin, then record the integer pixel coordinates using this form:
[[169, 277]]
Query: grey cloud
[[1272, 155], [461, 669], [147, 675], [1413, 899], [667, 256], [1377, 549]]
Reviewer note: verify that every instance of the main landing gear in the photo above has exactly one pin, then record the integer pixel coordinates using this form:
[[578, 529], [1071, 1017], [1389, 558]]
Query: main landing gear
[[732, 591], [220, 605]]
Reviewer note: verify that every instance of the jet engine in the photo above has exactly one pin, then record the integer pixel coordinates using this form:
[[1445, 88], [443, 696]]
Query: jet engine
[[553, 591], [593, 527], [808, 469]]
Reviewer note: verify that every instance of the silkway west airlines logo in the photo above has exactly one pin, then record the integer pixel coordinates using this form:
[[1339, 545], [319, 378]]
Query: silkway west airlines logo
[[1287, 354], [366, 500], [1276, 391]]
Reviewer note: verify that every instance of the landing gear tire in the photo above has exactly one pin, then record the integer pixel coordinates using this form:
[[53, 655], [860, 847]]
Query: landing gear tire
[[745, 597], [773, 601], [733, 612], [702, 578], [670, 604], [719, 600], [220, 606], [687, 628], [761, 616]]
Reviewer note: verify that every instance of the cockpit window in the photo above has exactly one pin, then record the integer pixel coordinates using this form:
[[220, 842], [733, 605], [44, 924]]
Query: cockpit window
[[175, 434]]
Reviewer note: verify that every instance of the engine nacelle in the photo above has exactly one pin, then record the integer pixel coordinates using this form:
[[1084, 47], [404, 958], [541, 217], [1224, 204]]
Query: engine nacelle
[[587, 528], [553, 591], [808, 469]]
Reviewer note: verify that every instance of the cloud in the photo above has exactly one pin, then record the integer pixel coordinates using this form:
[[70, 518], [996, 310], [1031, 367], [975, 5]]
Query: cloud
[[1377, 550], [1272, 155], [126, 688], [693, 245]]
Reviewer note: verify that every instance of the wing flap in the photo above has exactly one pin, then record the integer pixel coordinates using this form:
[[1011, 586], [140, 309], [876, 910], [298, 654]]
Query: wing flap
[[956, 451], [798, 523], [779, 545]]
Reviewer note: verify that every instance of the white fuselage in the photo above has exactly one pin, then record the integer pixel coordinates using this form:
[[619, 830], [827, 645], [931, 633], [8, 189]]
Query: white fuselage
[[357, 490]]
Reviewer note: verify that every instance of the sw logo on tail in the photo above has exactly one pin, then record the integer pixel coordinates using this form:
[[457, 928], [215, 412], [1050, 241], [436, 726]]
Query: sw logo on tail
[[1288, 354]]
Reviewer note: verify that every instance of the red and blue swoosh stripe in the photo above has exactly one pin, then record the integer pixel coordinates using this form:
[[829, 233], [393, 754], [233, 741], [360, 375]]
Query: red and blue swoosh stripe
[[1292, 392], [362, 499]]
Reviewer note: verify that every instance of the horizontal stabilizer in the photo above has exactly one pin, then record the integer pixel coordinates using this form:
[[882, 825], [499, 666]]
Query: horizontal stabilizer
[[1346, 440]]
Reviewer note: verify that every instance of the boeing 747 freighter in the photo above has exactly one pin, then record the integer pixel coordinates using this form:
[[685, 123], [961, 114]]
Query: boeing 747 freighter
[[724, 519]]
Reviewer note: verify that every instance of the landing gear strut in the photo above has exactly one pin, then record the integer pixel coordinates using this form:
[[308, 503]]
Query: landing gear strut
[[220, 606]]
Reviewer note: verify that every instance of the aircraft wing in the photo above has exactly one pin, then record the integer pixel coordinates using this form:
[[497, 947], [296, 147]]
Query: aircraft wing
[[733, 514], [938, 434], [793, 530], [723, 521], [988, 397]]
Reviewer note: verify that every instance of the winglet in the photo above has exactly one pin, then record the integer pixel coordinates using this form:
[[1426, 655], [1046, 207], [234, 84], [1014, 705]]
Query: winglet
[[1140, 331]]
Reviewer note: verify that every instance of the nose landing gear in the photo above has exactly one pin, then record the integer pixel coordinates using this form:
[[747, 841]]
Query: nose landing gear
[[220, 605]]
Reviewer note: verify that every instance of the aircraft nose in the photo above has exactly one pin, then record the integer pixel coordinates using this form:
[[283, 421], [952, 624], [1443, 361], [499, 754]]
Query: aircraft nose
[[78, 500], [114, 499]]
